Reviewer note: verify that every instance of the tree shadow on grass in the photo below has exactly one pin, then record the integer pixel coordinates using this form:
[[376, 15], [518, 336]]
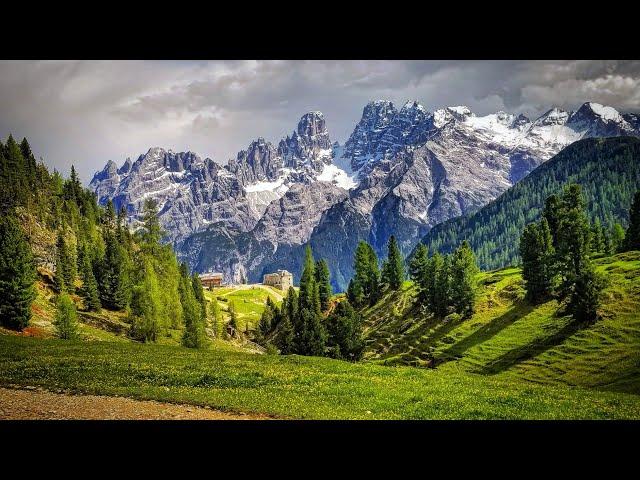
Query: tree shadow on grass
[[531, 350], [487, 331]]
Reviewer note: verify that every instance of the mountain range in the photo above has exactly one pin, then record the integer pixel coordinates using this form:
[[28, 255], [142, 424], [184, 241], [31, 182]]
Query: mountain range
[[400, 172]]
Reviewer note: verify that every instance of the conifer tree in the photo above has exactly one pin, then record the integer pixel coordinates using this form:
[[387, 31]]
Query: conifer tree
[[198, 292], [323, 279], [193, 335], [66, 320], [309, 330], [418, 270], [463, 279], [64, 277], [632, 237], [146, 306], [115, 282], [89, 290], [17, 275], [344, 328], [440, 270], [393, 273], [574, 237], [597, 237], [152, 233], [586, 295], [536, 250], [355, 295], [617, 238], [551, 213]]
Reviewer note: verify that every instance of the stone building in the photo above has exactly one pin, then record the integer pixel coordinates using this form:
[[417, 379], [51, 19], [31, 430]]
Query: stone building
[[211, 279], [281, 279]]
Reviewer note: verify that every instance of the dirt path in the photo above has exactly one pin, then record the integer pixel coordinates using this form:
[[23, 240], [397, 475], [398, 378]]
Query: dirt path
[[34, 404]]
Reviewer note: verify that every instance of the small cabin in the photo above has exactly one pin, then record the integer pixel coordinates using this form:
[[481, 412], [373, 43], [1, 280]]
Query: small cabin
[[281, 279], [211, 279]]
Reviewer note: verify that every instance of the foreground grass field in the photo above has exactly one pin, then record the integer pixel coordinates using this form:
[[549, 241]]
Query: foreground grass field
[[293, 386], [508, 337]]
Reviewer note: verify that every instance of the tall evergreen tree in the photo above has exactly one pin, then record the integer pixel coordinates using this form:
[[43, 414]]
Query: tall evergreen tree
[[152, 233], [115, 282], [146, 306], [310, 332], [65, 263], [586, 295], [393, 272], [323, 280], [344, 327], [216, 319], [442, 284], [17, 275], [89, 290], [536, 250], [66, 320], [574, 237], [617, 238], [632, 237], [418, 270], [463, 279], [198, 292]]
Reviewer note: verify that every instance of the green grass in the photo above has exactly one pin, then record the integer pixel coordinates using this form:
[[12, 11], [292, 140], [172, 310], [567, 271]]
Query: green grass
[[293, 386], [512, 339], [249, 301]]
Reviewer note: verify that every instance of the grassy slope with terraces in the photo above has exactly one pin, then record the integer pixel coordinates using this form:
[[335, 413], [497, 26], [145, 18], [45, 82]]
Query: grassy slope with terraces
[[509, 338]]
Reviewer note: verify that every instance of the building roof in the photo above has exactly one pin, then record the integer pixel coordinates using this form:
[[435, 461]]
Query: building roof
[[210, 275]]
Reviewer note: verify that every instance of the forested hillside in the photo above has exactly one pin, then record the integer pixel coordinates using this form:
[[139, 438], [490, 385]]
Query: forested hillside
[[608, 169], [54, 232]]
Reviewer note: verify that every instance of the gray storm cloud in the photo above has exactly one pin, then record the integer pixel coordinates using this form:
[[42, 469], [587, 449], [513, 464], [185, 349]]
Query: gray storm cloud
[[88, 112]]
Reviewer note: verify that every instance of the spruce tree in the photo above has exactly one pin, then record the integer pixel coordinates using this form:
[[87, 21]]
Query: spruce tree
[[393, 273], [366, 278], [17, 275], [323, 279], [440, 270], [89, 290], [551, 213], [632, 237], [617, 238], [63, 274], [344, 328], [198, 292], [536, 250], [463, 279], [146, 306], [586, 295], [574, 237], [193, 335], [66, 320], [310, 332], [418, 270]]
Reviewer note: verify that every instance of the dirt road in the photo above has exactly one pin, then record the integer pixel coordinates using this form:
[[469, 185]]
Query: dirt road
[[35, 404]]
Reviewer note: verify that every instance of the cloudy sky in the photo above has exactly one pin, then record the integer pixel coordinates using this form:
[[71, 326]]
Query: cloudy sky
[[88, 112]]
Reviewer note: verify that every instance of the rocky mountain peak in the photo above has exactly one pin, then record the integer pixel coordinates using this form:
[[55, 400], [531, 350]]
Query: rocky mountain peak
[[312, 124], [554, 116]]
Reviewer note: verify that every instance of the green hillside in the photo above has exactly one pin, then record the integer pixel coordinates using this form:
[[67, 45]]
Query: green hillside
[[510, 338], [608, 169]]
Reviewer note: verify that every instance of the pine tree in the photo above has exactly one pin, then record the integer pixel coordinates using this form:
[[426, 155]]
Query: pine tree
[[586, 295], [393, 273], [64, 277], [115, 282], [617, 238], [574, 237], [344, 328], [66, 321], [193, 335], [309, 330], [355, 295], [597, 237], [366, 273], [463, 279], [198, 292], [152, 233], [536, 250], [551, 213], [323, 280], [632, 237], [440, 272], [146, 306], [89, 290], [17, 275], [418, 270]]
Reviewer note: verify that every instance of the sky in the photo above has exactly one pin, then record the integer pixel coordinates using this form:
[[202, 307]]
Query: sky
[[88, 112]]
